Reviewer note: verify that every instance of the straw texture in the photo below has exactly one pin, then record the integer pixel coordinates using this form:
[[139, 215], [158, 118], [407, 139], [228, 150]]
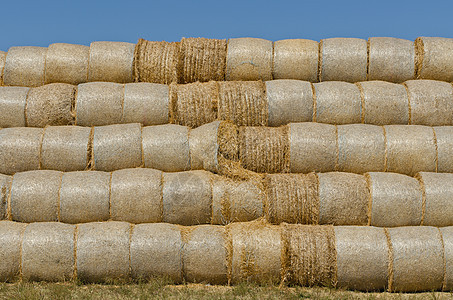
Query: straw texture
[[25, 66], [5, 186], [447, 239], [204, 147], [10, 253], [12, 106], [444, 148], [2, 65], [296, 59], [67, 63], [433, 58]]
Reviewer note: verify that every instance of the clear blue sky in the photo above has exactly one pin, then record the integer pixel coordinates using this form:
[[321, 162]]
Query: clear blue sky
[[40, 23]]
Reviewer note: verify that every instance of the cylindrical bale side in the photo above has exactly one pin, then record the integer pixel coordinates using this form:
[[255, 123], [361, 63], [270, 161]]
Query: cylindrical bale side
[[99, 103], [391, 59], [145, 103], [431, 102], [35, 196], [418, 263], [103, 251], [410, 149], [84, 197], [187, 198], [312, 147], [337, 103], [25, 66], [384, 103], [343, 199], [447, 237], [362, 258], [48, 252], [19, 149], [166, 147], [361, 148], [111, 61], [444, 139], [51, 104], [117, 147], [296, 59], [249, 59], [205, 254], [433, 58], [156, 251], [204, 147], [2, 65], [12, 106], [289, 101], [11, 234], [343, 59], [136, 195], [67, 63], [397, 200], [5, 186]]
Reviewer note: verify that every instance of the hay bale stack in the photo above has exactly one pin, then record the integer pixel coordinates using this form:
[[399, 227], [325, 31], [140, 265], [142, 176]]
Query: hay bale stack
[[384, 103], [67, 63], [343, 59], [447, 238], [145, 103], [117, 147], [249, 59], [99, 103], [11, 234], [296, 59], [289, 101], [2, 65], [85, 197], [51, 104], [166, 147], [391, 59], [444, 144], [204, 147], [431, 102], [433, 58], [12, 106], [111, 61], [202, 60], [5, 186], [48, 252], [103, 251], [25, 66], [337, 103]]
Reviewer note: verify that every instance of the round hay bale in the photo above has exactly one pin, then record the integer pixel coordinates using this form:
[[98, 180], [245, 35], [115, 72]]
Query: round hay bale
[[51, 104], [384, 103], [67, 63], [204, 147], [202, 60], [48, 252], [2, 65], [205, 254], [66, 148], [418, 263], [25, 66], [312, 147], [437, 192], [136, 196], [12, 106], [85, 197], [166, 147], [391, 59], [156, 61], [145, 103], [187, 198], [19, 149], [433, 58], [431, 102], [11, 234], [117, 147], [289, 101], [362, 258], [410, 149], [296, 59], [35, 196], [156, 251], [396, 200], [103, 251], [5, 185], [256, 252], [447, 238], [249, 59], [444, 142], [343, 59], [337, 103], [111, 61], [343, 199], [361, 148], [99, 103]]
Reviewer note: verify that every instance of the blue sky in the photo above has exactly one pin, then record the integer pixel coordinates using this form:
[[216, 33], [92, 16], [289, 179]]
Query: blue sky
[[40, 23]]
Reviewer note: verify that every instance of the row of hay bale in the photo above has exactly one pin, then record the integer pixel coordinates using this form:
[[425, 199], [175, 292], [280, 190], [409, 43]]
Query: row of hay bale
[[404, 259], [200, 197], [246, 103]]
